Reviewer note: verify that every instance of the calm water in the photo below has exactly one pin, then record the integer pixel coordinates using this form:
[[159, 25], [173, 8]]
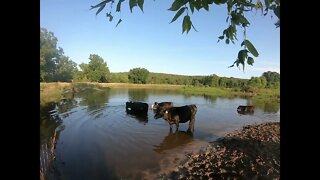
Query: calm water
[[96, 139]]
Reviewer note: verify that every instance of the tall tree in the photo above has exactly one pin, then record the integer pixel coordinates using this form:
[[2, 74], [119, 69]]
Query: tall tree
[[138, 75], [273, 78], [96, 71], [236, 19], [54, 65], [48, 54], [66, 69]]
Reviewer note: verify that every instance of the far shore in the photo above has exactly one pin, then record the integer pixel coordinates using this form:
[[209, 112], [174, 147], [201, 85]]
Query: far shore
[[57, 88]]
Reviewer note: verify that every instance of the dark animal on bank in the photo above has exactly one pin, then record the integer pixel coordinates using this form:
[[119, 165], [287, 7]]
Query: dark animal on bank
[[137, 108], [176, 115], [245, 109]]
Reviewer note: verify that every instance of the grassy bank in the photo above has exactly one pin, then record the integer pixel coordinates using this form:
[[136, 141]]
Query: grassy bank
[[259, 95], [56, 91], [53, 92]]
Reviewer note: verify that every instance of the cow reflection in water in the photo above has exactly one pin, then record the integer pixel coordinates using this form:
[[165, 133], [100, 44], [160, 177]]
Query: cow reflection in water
[[174, 140]]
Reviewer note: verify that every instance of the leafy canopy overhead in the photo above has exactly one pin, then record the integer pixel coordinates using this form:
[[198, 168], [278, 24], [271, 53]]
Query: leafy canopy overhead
[[235, 18]]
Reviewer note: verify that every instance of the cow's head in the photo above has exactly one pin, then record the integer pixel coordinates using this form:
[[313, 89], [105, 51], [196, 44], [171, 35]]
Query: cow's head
[[160, 112]]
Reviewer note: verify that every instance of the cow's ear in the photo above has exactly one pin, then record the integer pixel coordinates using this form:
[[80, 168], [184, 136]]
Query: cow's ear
[[166, 112]]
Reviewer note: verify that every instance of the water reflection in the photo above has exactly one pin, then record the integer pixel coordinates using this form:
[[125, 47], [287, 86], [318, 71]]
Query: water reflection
[[138, 95], [95, 100], [65, 105], [267, 106], [173, 140], [141, 118], [49, 121], [211, 99], [50, 128]]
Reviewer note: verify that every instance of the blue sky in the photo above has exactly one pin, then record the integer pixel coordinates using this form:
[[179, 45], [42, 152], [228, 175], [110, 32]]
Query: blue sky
[[147, 39]]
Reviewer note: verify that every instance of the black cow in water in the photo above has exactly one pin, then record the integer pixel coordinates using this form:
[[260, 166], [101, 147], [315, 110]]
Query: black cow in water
[[176, 115], [245, 109], [137, 108]]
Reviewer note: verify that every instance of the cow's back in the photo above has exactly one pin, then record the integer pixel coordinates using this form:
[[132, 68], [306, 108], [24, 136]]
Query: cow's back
[[185, 113], [137, 108]]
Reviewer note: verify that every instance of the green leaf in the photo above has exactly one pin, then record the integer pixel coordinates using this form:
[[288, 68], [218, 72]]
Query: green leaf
[[267, 3], [132, 3], [177, 4], [100, 4], [205, 5], [245, 3], [243, 20], [178, 14], [227, 41], [242, 55], [140, 4], [218, 2], [186, 24], [119, 22], [197, 4], [250, 61], [250, 47], [100, 9], [277, 11], [119, 5], [110, 16], [259, 5], [191, 6], [221, 37]]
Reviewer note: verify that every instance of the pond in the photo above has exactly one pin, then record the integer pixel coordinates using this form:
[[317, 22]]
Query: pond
[[97, 139]]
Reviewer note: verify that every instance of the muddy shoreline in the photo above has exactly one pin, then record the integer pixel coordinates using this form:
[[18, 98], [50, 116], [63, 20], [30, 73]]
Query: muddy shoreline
[[252, 152]]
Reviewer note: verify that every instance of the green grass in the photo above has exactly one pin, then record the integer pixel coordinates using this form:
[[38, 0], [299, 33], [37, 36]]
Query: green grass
[[211, 91], [54, 92]]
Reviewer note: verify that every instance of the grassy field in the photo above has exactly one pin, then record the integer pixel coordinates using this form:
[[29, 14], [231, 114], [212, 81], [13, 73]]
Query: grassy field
[[56, 91]]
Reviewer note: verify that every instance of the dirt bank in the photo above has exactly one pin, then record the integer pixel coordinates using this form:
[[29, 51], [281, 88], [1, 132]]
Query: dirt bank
[[250, 153]]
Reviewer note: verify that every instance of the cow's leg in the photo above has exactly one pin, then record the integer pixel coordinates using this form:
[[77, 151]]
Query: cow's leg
[[191, 123], [176, 120]]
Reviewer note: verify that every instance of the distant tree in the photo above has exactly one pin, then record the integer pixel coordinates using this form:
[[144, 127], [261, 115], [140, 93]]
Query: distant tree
[[119, 77], [138, 75], [214, 80], [257, 82], [96, 70], [263, 81], [237, 10], [273, 78], [65, 70], [223, 82]]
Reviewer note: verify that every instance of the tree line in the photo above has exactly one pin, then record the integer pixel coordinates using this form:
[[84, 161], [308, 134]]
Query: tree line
[[57, 67]]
